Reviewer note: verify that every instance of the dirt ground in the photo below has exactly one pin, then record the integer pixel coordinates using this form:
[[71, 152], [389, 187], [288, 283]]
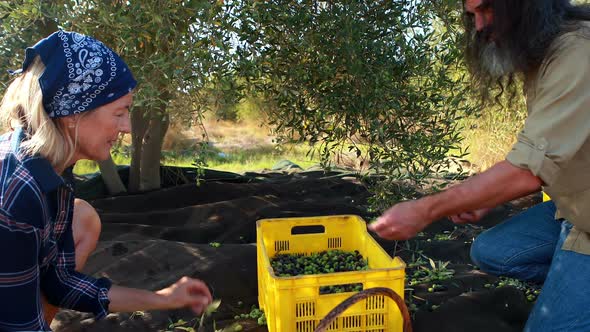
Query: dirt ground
[[151, 240]]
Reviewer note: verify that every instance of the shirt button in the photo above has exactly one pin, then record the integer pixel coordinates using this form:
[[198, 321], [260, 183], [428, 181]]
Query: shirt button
[[541, 146]]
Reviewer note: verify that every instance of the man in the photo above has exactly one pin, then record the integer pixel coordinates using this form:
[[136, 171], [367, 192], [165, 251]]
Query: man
[[547, 43]]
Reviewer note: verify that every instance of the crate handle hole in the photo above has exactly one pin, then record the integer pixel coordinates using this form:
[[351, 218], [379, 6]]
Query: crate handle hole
[[343, 288], [310, 229]]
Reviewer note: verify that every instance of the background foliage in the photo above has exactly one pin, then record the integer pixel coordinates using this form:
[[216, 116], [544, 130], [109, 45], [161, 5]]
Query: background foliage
[[380, 79], [380, 82]]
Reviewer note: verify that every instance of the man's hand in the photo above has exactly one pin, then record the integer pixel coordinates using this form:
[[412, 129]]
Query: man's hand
[[469, 217], [402, 221], [187, 292]]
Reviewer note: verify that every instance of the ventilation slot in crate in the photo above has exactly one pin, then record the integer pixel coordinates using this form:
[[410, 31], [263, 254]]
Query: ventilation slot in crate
[[281, 246], [334, 242], [333, 326], [305, 309], [376, 302], [352, 321], [376, 320], [305, 316], [305, 326]]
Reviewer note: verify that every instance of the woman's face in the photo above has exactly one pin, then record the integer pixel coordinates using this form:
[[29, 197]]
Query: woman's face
[[99, 130]]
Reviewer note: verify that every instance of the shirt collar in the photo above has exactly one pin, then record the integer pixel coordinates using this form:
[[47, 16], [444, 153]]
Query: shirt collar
[[39, 167]]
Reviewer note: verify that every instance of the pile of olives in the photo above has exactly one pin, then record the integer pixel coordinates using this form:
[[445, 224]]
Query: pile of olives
[[331, 261], [288, 265]]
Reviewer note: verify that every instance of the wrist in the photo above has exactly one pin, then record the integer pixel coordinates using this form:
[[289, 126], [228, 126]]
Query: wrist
[[163, 299]]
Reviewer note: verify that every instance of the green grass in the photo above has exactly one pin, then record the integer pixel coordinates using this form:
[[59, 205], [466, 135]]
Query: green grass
[[255, 158], [251, 159], [88, 166]]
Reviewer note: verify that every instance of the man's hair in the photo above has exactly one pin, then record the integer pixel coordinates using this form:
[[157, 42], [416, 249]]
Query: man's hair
[[22, 106], [524, 30]]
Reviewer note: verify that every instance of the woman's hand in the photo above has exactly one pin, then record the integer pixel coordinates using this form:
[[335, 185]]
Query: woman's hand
[[187, 292]]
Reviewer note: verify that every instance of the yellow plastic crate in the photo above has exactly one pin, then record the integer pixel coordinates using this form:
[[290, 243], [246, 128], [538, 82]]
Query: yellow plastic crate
[[294, 304]]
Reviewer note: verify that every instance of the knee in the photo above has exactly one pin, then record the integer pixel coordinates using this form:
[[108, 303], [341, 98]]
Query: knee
[[86, 223], [483, 254]]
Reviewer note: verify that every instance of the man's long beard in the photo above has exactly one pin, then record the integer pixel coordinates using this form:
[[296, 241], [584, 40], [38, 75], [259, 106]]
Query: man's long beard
[[490, 60], [496, 62]]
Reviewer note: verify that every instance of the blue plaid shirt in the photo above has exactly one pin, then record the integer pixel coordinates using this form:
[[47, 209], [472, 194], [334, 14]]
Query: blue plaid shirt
[[37, 245]]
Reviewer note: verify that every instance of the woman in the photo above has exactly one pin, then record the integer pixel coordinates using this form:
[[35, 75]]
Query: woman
[[70, 102]]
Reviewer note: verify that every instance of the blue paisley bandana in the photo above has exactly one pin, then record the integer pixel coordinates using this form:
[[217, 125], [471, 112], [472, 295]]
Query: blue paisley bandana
[[81, 73]]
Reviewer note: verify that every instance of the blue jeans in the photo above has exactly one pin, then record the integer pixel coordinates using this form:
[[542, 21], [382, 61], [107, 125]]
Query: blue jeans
[[528, 247]]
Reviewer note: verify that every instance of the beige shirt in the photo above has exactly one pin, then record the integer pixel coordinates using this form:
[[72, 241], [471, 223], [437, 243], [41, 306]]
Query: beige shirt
[[555, 141]]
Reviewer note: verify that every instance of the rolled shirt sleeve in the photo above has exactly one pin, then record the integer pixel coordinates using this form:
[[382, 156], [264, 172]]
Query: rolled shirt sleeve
[[70, 289], [558, 103]]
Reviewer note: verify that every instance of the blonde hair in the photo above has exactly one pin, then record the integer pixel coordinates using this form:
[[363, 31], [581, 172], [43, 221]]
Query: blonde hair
[[22, 105]]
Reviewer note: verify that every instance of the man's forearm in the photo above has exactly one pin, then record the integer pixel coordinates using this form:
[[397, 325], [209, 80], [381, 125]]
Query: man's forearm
[[501, 183]]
